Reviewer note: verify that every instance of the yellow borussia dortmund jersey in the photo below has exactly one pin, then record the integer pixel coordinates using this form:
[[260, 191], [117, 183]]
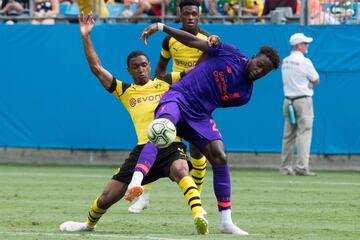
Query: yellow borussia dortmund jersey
[[250, 4], [183, 56], [141, 101], [86, 6]]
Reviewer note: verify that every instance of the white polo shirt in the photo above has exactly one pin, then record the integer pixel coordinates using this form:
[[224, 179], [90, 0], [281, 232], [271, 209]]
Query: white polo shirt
[[297, 71]]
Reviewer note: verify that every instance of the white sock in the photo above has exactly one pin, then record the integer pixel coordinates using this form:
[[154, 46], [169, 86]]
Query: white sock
[[136, 179], [225, 216]]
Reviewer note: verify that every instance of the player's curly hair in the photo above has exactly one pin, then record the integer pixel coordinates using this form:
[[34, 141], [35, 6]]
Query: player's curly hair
[[272, 54], [135, 54], [189, 3]]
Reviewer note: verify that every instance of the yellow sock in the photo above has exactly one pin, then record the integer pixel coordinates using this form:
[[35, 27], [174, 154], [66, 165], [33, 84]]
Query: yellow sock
[[148, 186], [95, 214], [198, 172], [192, 195]]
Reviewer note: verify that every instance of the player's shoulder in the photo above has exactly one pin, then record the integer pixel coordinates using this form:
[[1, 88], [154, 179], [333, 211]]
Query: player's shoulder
[[166, 80], [166, 41], [204, 32]]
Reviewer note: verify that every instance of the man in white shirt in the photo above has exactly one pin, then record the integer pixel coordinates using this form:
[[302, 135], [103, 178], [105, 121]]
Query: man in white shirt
[[299, 76]]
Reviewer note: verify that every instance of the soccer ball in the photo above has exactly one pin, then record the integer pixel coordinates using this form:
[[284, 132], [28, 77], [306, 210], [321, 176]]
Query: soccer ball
[[161, 132]]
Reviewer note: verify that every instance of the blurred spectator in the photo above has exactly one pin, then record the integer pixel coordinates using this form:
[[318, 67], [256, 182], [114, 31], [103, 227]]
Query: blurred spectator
[[211, 7], [316, 13], [217, 8], [172, 9], [270, 5], [124, 8], [87, 6], [45, 8], [248, 7], [128, 11], [343, 11], [253, 7], [149, 8], [8, 6]]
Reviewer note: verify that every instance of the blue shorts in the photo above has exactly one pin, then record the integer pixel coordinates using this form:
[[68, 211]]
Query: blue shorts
[[194, 126]]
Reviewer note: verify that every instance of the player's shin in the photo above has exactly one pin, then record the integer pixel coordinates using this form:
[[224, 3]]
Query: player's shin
[[146, 160], [192, 195], [95, 213], [222, 186], [198, 172]]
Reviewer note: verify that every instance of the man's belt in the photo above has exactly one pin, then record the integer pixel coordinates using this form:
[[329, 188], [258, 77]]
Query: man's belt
[[295, 98]]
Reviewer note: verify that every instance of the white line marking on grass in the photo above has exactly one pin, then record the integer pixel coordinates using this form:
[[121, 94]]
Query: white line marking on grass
[[84, 175], [74, 175], [318, 183], [94, 235]]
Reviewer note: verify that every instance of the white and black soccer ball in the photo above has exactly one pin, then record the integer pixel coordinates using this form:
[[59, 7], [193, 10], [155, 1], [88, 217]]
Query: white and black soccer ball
[[161, 132]]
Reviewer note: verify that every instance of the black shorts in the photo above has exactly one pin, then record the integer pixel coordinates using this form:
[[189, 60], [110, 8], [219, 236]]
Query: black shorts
[[161, 167]]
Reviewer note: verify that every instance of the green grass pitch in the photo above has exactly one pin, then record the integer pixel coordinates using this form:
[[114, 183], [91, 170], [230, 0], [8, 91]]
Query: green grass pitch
[[34, 200]]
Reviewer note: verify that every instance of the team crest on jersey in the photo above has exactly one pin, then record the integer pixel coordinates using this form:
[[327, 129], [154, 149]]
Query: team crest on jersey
[[132, 102], [158, 86]]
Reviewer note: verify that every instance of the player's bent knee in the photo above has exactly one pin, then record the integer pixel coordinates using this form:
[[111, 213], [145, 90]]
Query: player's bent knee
[[222, 159], [179, 169]]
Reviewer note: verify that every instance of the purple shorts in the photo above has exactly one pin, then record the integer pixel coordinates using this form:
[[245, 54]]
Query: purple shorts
[[194, 126]]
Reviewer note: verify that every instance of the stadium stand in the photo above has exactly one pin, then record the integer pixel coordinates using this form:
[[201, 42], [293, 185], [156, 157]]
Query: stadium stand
[[213, 11]]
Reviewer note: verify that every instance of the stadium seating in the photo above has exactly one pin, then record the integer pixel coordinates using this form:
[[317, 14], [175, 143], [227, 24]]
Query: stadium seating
[[115, 9], [72, 10], [64, 8]]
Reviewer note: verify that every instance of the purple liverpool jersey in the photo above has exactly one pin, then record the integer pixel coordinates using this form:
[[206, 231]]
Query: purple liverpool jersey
[[217, 82]]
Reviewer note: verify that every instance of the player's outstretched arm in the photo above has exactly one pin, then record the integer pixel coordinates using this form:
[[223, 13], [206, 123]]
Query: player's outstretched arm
[[86, 25], [180, 35]]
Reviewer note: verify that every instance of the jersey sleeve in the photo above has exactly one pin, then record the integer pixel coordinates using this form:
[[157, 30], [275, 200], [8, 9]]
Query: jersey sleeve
[[173, 77], [220, 48], [118, 88], [311, 74], [165, 50]]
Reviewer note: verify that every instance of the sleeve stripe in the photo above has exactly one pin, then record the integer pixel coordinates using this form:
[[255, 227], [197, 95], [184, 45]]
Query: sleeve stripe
[[112, 87]]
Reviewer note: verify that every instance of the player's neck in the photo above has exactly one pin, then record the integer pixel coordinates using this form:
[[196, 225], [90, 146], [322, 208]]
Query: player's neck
[[193, 31]]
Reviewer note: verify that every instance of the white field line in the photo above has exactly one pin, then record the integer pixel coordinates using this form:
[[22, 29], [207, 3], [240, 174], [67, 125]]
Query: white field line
[[94, 235], [315, 183], [82, 175], [71, 175]]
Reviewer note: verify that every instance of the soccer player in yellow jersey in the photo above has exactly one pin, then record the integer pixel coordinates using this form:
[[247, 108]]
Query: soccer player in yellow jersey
[[183, 58], [249, 7], [170, 162], [87, 6]]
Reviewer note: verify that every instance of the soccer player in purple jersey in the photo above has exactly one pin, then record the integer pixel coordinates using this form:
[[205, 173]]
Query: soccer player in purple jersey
[[224, 79]]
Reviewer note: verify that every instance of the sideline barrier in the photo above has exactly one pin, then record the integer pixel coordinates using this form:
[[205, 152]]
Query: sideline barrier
[[50, 99]]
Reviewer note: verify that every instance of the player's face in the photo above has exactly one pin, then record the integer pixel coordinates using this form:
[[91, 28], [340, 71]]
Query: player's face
[[189, 17], [139, 69], [258, 67]]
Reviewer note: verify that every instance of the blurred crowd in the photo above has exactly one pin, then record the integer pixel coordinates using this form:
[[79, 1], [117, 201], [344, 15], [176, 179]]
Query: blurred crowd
[[212, 11]]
